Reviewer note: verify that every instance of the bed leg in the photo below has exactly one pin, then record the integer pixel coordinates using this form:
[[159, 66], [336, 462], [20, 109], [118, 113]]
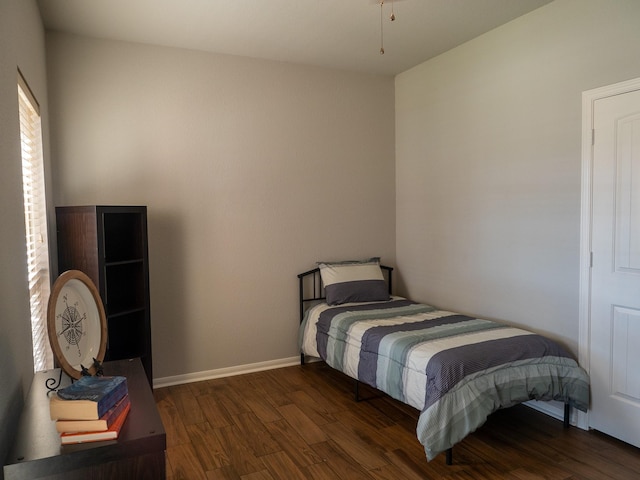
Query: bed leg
[[567, 414], [356, 391], [449, 456], [302, 359]]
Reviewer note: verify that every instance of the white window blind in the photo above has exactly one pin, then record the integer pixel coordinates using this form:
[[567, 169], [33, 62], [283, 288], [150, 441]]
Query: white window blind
[[36, 224]]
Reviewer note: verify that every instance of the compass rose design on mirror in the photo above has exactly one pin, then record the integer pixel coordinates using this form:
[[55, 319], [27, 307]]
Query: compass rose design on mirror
[[71, 323], [76, 323]]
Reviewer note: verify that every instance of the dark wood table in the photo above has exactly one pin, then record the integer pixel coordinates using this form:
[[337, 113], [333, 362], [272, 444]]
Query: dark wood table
[[138, 453]]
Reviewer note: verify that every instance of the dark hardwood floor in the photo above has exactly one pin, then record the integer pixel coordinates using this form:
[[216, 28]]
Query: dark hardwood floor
[[303, 423]]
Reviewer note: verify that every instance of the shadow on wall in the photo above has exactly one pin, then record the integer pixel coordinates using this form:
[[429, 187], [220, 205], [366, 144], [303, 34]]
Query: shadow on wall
[[11, 399], [167, 289], [399, 285]]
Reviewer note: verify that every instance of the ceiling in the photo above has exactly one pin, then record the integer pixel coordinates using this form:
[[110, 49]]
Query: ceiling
[[343, 34]]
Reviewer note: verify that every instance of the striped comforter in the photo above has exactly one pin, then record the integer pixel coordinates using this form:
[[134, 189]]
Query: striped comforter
[[455, 369]]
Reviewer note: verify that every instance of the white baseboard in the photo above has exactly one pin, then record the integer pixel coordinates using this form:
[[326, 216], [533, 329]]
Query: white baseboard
[[225, 372], [553, 409]]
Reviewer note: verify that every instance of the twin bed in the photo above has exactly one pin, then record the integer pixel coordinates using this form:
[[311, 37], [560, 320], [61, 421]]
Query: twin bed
[[453, 368]]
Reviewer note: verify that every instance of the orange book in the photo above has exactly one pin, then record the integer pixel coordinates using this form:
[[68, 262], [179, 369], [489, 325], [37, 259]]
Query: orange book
[[110, 434]]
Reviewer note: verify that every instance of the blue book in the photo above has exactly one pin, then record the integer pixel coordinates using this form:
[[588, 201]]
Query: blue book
[[88, 398]]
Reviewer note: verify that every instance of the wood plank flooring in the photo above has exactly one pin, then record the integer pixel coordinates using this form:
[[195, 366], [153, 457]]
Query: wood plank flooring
[[302, 423]]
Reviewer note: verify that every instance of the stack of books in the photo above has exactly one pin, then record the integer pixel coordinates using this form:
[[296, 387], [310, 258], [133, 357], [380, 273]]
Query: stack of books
[[91, 409]]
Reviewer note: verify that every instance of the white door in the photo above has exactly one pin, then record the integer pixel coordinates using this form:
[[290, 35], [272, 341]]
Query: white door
[[615, 274]]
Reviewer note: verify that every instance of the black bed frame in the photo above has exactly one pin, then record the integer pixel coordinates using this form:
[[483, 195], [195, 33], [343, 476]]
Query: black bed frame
[[312, 291]]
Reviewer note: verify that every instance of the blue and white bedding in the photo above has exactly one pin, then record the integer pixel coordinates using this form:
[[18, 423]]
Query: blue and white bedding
[[455, 369]]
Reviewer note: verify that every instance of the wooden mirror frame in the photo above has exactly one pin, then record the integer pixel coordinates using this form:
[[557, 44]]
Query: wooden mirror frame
[[60, 287]]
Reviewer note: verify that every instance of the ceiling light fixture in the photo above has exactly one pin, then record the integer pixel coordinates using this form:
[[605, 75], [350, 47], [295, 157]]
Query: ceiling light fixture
[[392, 17]]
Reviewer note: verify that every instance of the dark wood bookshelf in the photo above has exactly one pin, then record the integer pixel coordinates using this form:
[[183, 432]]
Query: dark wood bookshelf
[[109, 244]]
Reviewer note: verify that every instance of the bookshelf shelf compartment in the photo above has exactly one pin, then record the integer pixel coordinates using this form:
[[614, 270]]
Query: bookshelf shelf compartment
[[126, 328], [124, 287], [125, 225]]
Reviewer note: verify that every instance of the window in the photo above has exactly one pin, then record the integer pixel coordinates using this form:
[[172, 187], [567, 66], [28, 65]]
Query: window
[[35, 216]]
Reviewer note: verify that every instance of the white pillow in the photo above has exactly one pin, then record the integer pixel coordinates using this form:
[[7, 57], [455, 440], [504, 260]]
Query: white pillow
[[353, 281]]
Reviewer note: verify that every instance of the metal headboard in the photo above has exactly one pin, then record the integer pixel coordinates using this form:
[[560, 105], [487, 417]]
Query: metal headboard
[[312, 289]]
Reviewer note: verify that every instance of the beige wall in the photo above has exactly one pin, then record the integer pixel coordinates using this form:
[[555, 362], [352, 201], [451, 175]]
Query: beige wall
[[21, 46], [488, 162], [251, 171]]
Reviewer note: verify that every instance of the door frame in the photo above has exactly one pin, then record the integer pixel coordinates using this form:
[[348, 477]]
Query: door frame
[[588, 101]]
